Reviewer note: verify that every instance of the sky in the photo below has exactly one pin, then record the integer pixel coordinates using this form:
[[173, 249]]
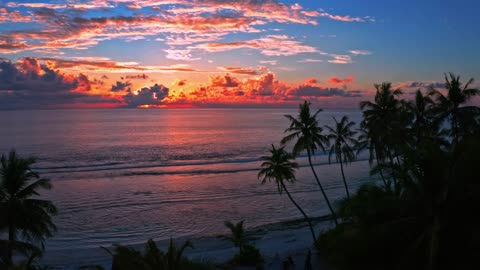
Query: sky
[[220, 53]]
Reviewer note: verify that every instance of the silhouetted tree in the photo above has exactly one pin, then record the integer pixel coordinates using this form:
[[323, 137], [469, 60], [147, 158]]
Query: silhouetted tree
[[344, 140], [385, 123], [238, 235], [23, 214], [307, 134], [280, 167], [449, 106]]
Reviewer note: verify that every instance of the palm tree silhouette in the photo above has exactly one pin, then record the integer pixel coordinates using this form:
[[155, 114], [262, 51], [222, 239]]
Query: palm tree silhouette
[[449, 106], [383, 125], [308, 135], [126, 258], [343, 139], [279, 167], [238, 236], [22, 213]]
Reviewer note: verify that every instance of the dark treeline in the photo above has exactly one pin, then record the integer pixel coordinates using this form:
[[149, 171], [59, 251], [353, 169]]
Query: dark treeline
[[421, 213]]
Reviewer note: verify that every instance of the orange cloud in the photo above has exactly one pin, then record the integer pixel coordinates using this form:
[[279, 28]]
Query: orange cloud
[[336, 80], [107, 65]]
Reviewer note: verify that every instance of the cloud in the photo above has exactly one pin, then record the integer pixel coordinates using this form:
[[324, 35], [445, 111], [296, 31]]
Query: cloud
[[180, 55], [310, 88], [336, 80], [245, 70], [180, 82], [142, 76], [29, 84], [264, 89], [360, 52], [414, 85], [77, 26], [271, 45], [7, 15], [310, 60], [340, 59], [269, 62], [224, 81], [121, 86], [153, 95], [341, 18], [107, 65]]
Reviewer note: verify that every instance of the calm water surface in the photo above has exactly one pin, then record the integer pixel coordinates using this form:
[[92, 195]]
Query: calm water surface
[[123, 176]]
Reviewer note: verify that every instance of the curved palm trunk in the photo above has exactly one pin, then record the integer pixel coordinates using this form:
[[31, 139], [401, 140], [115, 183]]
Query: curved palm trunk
[[321, 188], [301, 210], [344, 180]]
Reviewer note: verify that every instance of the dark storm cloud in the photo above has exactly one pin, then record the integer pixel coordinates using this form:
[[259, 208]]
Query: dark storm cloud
[[120, 86], [317, 91], [29, 84], [152, 95]]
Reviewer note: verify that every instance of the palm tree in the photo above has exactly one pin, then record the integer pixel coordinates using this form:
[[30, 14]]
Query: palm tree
[[383, 123], [126, 258], [279, 167], [238, 236], [22, 213], [457, 95], [308, 135], [343, 142]]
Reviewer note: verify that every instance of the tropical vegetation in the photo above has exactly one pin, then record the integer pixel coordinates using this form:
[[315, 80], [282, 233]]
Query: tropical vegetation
[[248, 255], [26, 219]]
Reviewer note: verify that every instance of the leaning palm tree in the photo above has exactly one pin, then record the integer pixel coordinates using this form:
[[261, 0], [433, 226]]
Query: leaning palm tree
[[308, 135], [279, 167], [343, 139], [449, 105], [25, 217]]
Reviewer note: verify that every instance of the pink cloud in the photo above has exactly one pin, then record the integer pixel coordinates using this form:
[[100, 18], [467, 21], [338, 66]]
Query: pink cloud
[[271, 45]]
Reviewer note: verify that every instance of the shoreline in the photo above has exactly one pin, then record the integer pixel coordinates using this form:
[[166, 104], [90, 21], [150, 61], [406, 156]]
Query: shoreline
[[276, 241]]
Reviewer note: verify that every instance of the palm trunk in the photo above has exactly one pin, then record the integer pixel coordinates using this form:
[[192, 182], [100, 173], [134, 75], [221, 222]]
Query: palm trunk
[[393, 171], [321, 188], [383, 178], [432, 258], [455, 125], [381, 171], [301, 210], [11, 243], [344, 180]]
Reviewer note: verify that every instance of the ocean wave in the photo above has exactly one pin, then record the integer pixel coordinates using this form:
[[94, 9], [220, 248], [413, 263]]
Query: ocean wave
[[160, 169]]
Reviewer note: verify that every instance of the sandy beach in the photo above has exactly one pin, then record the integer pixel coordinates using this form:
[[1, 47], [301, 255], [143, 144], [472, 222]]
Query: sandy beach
[[275, 241]]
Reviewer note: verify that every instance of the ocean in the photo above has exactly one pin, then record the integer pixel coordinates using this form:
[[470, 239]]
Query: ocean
[[126, 175]]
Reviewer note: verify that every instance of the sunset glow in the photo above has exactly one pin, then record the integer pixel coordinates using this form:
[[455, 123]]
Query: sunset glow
[[203, 53]]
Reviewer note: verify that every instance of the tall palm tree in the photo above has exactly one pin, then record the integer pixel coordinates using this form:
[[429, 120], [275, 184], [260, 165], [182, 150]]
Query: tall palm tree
[[450, 105], [384, 123], [308, 135], [343, 139], [280, 167], [23, 214]]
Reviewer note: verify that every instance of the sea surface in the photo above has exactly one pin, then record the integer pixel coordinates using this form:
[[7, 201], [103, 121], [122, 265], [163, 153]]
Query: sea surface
[[127, 175]]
